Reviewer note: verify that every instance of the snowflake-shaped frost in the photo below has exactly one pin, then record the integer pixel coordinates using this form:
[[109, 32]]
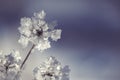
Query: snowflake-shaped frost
[[37, 31]]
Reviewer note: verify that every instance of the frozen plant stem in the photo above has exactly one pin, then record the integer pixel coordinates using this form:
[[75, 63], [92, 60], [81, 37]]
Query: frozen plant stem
[[27, 56]]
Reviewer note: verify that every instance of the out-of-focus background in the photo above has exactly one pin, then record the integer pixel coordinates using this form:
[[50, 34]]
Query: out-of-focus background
[[90, 42]]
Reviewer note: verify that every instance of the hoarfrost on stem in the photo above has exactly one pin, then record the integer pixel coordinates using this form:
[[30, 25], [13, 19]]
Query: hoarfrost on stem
[[37, 31], [9, 65], [51, 69]]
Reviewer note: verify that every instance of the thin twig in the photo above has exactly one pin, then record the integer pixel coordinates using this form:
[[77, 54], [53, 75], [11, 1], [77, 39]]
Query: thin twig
[[27, 56], [25, 60]]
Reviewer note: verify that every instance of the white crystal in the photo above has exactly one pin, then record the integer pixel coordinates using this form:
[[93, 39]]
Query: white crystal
[[56, 34]]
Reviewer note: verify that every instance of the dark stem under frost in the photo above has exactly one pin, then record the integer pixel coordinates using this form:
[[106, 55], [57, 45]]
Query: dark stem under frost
[[27, 56]]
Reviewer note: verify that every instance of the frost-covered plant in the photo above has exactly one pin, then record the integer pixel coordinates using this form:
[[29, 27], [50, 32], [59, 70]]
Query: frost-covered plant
[[37, 31], [51, 69], [9, 65]]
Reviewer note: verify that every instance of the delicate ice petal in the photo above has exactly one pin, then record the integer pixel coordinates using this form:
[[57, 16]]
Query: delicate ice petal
[[13, 57], [45, 27], [16, 55], [23, 40], [24, 30], [56, 34], [46, 35], [42, 45], [41, 23], [26, 22], [34, 40], [40, 15]]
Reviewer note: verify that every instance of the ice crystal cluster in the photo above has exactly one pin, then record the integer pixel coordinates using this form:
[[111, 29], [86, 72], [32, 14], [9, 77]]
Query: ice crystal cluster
[[51, 69], [37, 31], [9, 65]]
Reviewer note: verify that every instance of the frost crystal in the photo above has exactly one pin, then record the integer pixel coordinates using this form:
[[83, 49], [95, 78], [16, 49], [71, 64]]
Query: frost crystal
[[51, 69], [9, 65], [37, 31]]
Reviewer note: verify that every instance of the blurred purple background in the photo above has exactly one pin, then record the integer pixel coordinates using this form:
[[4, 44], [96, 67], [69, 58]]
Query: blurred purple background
[[90, 41]]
